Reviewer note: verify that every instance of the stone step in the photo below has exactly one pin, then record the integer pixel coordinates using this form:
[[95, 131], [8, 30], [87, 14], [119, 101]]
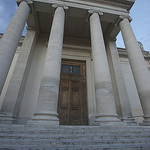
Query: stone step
[[90, 132], [24, 141], [137, 146], [76, 129], [14, 126], [73, 136]]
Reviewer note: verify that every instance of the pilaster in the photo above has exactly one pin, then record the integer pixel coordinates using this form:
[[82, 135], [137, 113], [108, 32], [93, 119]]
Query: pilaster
[[120, 90]]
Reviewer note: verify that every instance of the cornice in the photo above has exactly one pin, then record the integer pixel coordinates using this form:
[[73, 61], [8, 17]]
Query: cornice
[[127, 4]]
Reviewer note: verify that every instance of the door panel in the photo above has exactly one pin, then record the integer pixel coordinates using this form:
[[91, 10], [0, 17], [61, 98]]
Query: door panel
[[72, 104]]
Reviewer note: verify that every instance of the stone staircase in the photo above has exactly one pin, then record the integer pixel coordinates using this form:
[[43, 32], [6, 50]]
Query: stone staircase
[[23, 137]]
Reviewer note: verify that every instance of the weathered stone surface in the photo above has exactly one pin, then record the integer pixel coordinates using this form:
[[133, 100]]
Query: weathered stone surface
[[10, 40], [46, 111], [138, 65], [103, 87], [77, 137]]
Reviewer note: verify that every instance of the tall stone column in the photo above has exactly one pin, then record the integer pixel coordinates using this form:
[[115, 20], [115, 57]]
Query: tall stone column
[[10, 40], [13, 98], [46, 111], [138, 65], [105, 104]]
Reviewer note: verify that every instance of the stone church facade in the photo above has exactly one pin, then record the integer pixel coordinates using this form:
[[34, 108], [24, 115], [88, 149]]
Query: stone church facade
[[67, 70]]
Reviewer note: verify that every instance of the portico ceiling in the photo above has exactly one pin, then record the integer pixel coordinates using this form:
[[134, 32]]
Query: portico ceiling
[[77, 18], [74, 26]]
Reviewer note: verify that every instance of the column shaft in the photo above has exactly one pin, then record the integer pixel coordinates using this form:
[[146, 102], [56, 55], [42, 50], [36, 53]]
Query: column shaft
[[46, 111], [138, 65], [10, 40], [106, 110], [13, 98]]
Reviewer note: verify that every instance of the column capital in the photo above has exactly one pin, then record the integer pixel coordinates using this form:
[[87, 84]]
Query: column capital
[[59, 5], [28, 1], [128, 17], [120, 18], [91, 11]]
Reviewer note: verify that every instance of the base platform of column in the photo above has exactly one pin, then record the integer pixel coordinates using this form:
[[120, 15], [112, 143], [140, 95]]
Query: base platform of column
[[7, 118], [44, 120], [145, 123], [107, 119], [43, 123], [129, 121]]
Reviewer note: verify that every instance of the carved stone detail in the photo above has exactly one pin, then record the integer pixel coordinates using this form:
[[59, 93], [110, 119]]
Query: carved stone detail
[[91, 11], [28, 1], [58, 5], [120, 18]]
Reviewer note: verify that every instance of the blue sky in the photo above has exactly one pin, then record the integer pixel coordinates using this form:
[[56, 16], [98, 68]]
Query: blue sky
[[140, 13]]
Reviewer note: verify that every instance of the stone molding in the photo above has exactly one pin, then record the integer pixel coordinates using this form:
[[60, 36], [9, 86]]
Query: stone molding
[[111, 2]]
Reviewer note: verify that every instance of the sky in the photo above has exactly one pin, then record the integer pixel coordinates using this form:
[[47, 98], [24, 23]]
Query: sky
[[140, 13]]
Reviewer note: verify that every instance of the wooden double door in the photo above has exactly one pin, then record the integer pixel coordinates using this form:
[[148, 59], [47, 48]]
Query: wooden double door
[[72, 102]]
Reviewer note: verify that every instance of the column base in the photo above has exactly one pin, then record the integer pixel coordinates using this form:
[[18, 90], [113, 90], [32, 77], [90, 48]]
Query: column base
[[92, 119], [43, 123], [145, 124], [7, 118], [107, 120], [146, 121], [129, 121], [42, 119]]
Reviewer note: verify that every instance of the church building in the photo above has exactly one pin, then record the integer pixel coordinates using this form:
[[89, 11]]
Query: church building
[[67, 69]]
